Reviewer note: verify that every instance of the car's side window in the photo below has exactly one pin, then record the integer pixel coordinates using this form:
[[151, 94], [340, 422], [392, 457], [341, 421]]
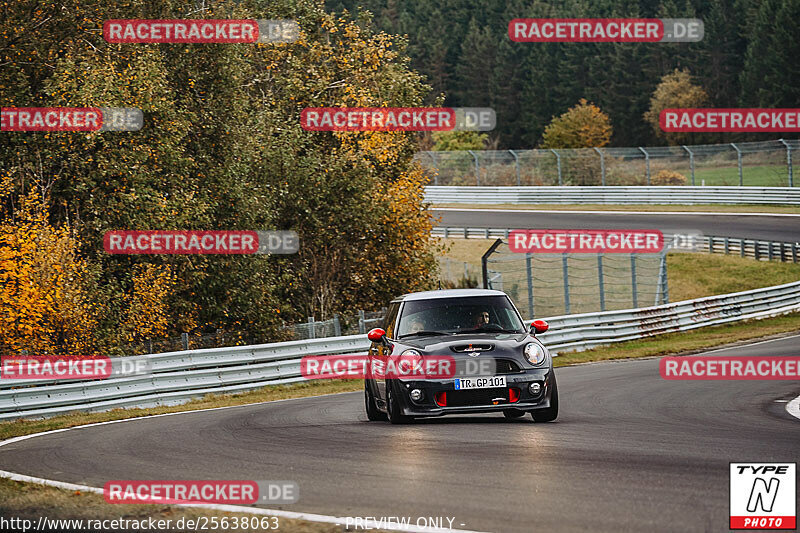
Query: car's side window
[[391, 318]]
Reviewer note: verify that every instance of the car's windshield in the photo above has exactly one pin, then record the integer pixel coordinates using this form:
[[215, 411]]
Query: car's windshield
[[474, 314]]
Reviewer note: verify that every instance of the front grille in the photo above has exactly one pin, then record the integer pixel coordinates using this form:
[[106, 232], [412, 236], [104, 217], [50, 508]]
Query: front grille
[[493, 366], [464, 398]]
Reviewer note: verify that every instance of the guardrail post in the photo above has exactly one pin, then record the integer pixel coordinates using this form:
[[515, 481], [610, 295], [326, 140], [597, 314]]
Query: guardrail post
[[742, 245], [739, 158], [665, 279], [477, 169], [601, 282], [711, 245], [788, 161], [726, 245], [311, 332], [516, 164], [558, 163], [185, 340], [634, 295], [565, 274], [783, 257], [794, 252], [466, 270], [755, 250], [529, 275], [361, 324], [691, 161], [337, 326], [149, 345], [769, 250], [445, 231], [647, 163], [602, 166]]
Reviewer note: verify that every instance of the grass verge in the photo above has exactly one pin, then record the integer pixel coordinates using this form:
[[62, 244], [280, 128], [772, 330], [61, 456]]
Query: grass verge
[[703, 208]]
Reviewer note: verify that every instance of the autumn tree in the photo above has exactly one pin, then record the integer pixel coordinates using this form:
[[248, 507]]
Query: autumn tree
[[582, 126], [676, 90]]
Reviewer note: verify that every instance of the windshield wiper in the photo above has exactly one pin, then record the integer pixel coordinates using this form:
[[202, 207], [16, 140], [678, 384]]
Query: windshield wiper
[[424, 333]]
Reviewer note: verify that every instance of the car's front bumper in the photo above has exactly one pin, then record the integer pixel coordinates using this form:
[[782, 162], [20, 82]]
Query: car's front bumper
[[428, 406]]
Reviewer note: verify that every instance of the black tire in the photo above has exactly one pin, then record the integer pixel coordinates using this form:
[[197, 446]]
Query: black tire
[[393, 408], [551, 413], [373, 413], [513, 413]]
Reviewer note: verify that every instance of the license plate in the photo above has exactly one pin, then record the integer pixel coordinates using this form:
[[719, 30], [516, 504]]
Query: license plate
[[489, 382]]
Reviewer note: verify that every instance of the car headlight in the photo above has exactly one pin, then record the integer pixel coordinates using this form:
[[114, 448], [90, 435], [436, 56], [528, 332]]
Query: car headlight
[[410, 352], [535, 353]]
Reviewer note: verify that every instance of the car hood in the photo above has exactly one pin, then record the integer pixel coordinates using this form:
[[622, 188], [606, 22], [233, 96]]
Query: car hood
[[453, 344]]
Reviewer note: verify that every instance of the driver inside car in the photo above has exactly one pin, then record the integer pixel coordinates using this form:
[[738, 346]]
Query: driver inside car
[[481, 319]]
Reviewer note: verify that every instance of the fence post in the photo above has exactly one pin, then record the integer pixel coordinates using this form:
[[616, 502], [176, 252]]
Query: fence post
[[565, 274], [558, 162], [633, 281], [516, 164], [185, 340], [665, 290], [739, 159], [361, 324], [788, 161], [602, 166], [647, 163], [311, 332], [528, 268], [691, 161], [466, 270], [477, 169], [150, 345], [436, 166], [337, 326], [662, 274], [601, 282]]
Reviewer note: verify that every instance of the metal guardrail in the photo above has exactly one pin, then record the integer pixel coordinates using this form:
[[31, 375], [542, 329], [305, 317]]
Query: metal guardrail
[[179, 376], [683, 195], [757, 249]]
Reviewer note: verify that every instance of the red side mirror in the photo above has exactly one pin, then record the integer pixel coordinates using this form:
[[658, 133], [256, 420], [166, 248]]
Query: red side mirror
[[539, 326], [376, 335]]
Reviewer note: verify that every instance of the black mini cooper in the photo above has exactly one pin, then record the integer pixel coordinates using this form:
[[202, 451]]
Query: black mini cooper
[[498, 364]]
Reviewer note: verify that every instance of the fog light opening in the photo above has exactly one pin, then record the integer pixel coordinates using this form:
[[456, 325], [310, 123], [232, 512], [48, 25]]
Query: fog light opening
[[535, 388], [416, 394]]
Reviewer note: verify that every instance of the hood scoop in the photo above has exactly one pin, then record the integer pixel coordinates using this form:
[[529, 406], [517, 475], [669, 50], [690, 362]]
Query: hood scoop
[[463, 348]]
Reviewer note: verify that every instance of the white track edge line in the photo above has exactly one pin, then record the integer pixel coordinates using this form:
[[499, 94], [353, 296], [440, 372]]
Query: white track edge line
[[311, 517]]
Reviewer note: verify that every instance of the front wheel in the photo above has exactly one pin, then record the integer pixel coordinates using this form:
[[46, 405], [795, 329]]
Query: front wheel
[[393, 406], [373, 413], [551, 413]]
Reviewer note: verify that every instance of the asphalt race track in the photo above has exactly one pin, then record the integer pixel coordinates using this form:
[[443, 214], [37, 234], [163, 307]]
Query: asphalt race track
[[630, 452], [766, 227]]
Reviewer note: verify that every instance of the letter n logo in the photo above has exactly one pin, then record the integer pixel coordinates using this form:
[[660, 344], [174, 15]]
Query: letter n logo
[[763, 494]]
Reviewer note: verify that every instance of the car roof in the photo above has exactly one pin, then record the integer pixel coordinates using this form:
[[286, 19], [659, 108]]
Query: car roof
[[447, 293]]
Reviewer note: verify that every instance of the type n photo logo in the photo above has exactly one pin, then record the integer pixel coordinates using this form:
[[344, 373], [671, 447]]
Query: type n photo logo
[[763, 496]]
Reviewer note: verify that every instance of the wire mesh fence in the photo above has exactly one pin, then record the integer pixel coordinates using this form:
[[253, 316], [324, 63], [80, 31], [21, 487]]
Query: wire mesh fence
[[757, 164], [562, 284]]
